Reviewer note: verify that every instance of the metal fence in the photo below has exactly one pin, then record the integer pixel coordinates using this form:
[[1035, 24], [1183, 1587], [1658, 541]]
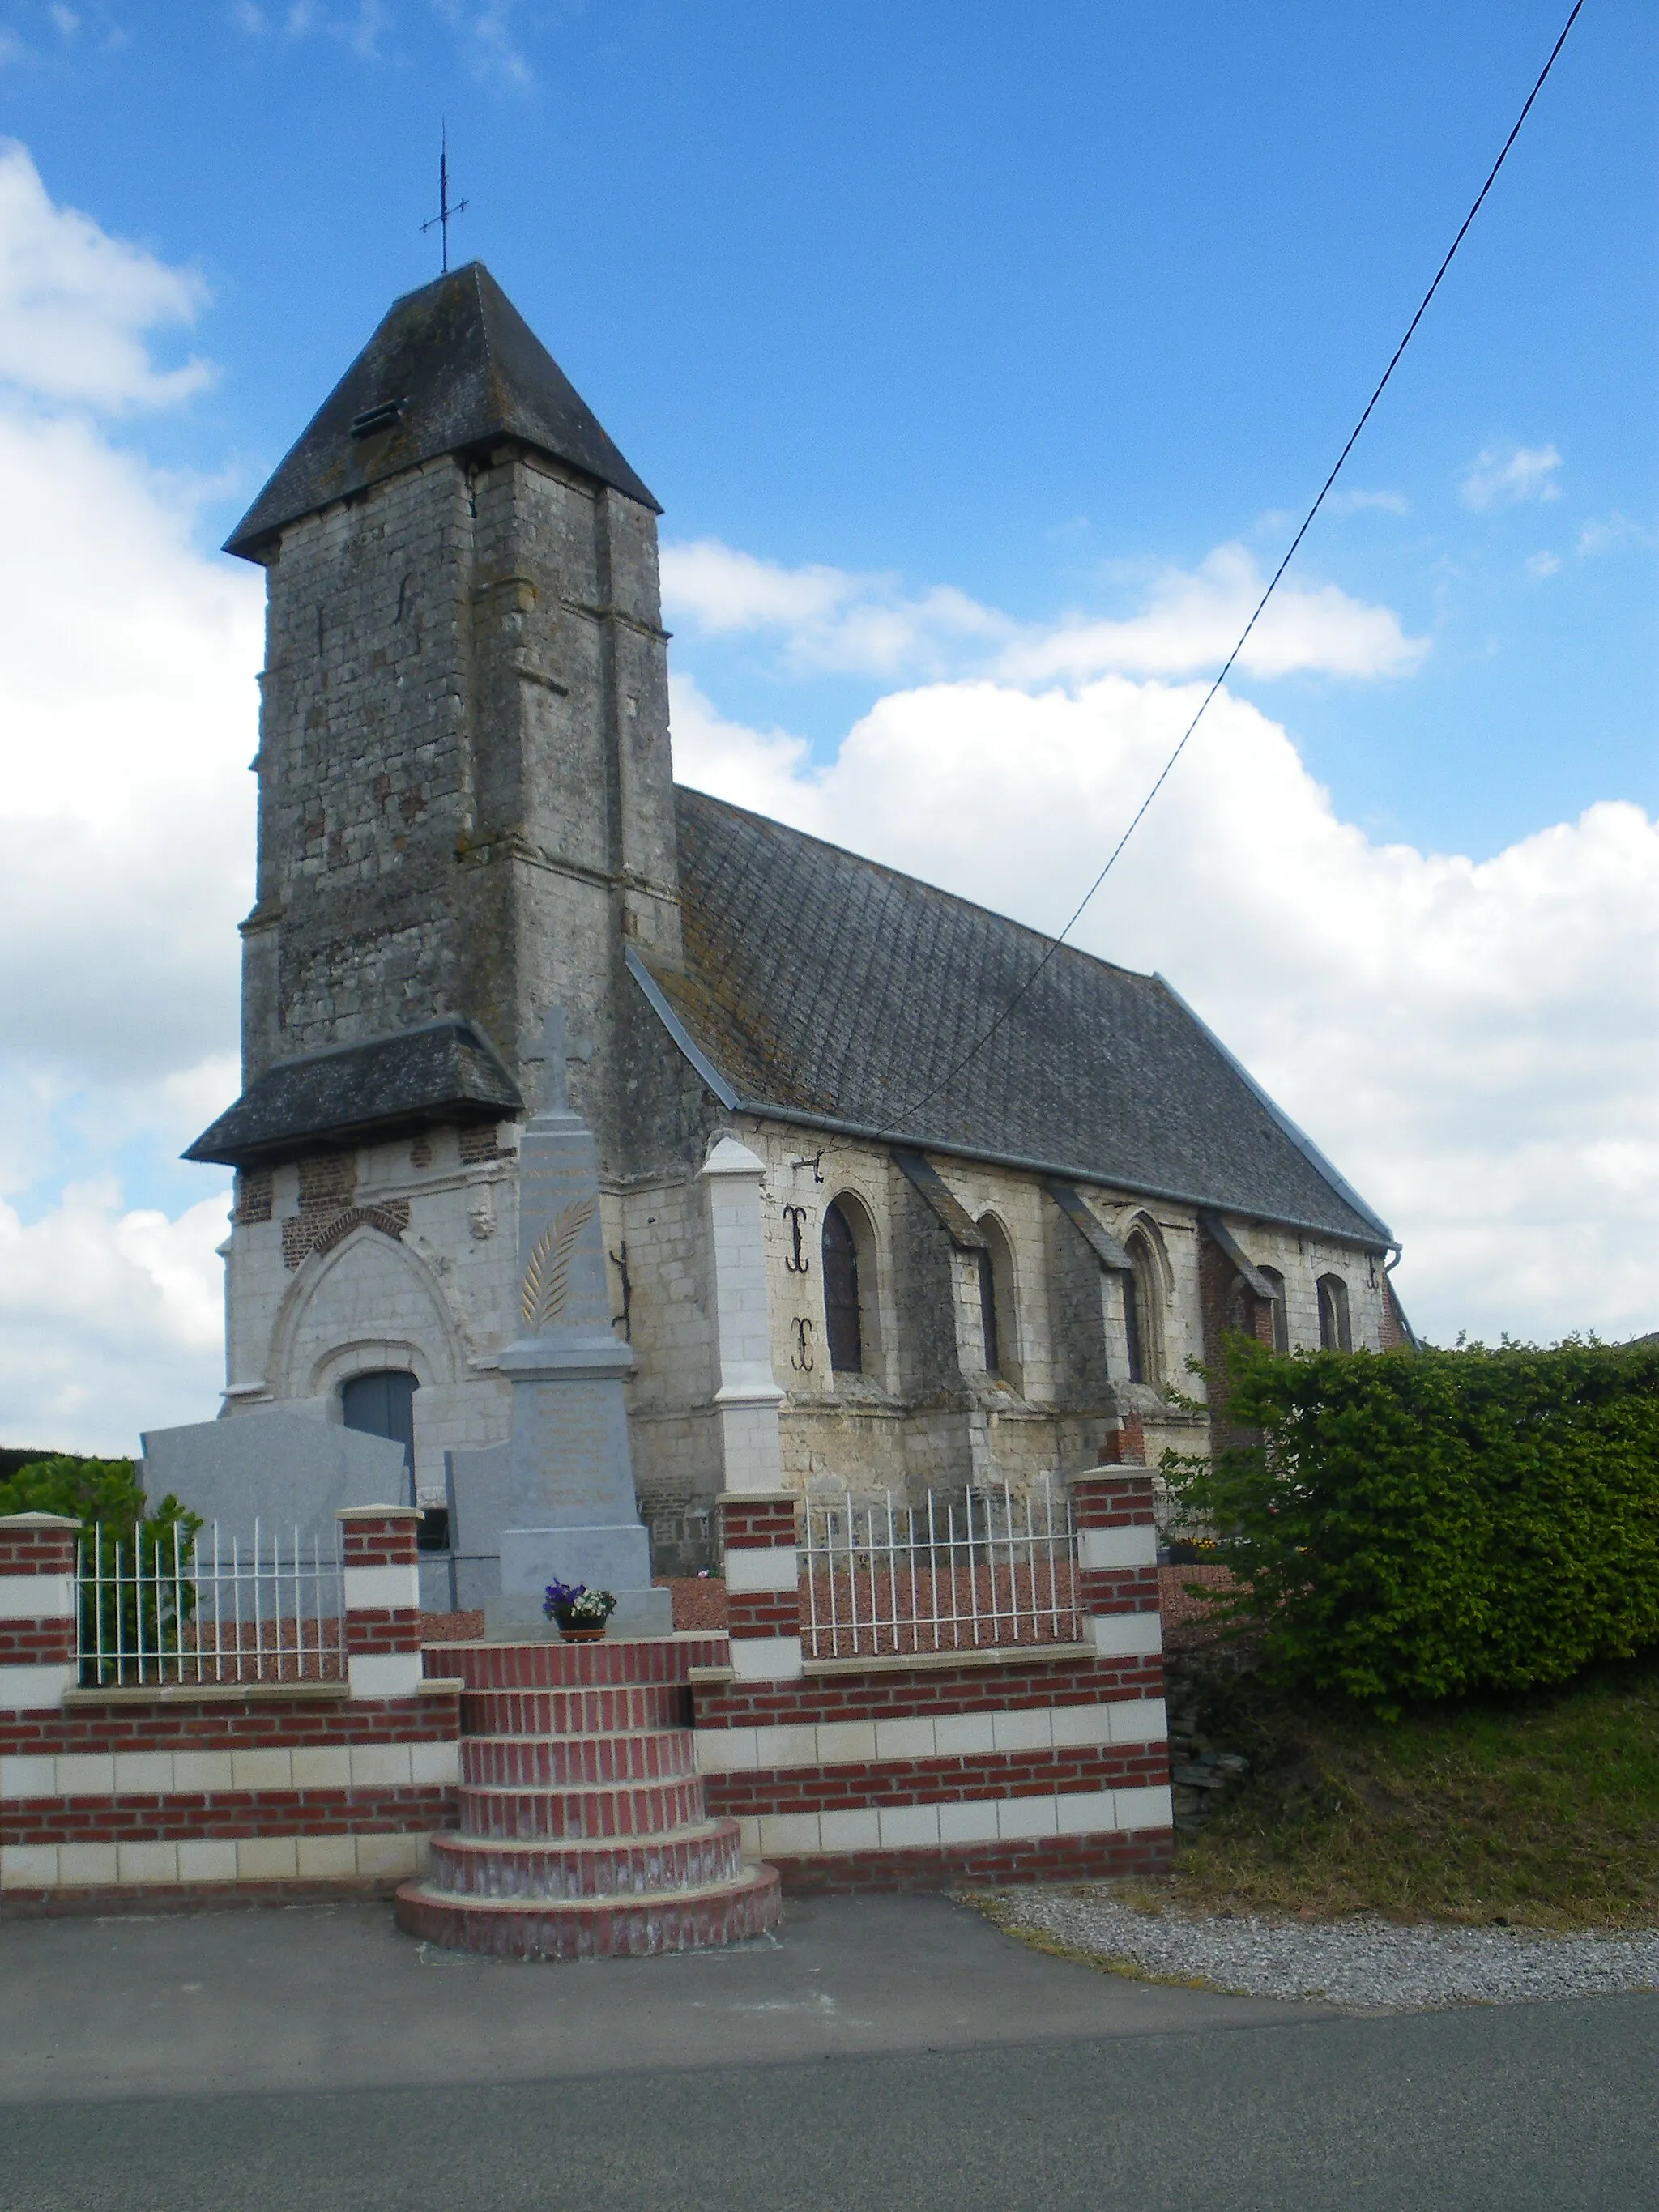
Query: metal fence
[[162, 1609], [953, 1574]]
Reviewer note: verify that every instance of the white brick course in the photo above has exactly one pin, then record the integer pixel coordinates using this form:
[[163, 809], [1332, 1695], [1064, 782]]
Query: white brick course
[[163, 1773], [947, 1735], [37, 1597]]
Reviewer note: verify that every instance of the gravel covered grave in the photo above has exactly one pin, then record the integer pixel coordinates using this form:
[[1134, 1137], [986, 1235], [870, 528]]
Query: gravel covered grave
[[1361, 1962]]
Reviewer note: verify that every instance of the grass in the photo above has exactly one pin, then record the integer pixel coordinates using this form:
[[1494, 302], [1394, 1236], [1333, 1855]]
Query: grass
[[1541, 1810]]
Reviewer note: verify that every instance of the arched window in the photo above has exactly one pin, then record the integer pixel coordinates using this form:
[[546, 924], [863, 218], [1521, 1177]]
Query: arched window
[[841, 1313], [1132, 1329], [382, 1404], [988, 1313], [1141, 1293], [1275, 1283], [1334, 1334], [999, 1324]]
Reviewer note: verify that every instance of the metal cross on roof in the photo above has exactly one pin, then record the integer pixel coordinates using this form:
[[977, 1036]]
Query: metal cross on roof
[[440, 220]]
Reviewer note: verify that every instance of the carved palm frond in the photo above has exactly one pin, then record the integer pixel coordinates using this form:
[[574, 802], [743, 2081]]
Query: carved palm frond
[[547, 1278]]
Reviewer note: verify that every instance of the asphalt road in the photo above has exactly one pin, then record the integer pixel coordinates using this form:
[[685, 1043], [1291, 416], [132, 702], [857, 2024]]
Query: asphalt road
[[886, 2052]]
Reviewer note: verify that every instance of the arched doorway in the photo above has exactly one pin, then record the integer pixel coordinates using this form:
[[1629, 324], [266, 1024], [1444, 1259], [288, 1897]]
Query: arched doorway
[[382, 1404]]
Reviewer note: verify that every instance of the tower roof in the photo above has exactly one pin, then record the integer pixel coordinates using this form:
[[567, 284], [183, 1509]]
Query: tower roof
[[453, 365]]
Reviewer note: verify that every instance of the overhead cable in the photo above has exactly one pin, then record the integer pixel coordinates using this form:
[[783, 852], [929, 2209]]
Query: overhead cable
[[1055, 943]]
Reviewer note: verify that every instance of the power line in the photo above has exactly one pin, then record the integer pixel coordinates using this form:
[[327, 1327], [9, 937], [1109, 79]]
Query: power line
[[981, 1041]]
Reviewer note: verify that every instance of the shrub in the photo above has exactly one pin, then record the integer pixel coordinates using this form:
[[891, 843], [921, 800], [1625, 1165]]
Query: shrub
[[104, 1496], [1418, 1525]]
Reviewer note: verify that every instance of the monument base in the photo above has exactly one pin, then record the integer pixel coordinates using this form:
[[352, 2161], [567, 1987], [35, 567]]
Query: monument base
[[616, 1557], [520, 1620]]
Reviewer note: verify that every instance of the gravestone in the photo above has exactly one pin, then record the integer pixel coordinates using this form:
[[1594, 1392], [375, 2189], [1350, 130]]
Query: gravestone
[[283, 1470], [559, 1498]]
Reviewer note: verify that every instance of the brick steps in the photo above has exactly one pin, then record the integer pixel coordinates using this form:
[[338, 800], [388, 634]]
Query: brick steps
[[643, 1809], [691, 1857], [683, 1920], [584, 1830], [623, 1708], [635, 1755]]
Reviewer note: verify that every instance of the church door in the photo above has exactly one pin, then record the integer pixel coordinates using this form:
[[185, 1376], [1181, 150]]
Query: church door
[[383, 1405]]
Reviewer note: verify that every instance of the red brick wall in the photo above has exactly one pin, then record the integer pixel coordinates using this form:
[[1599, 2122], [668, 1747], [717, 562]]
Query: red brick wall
[[937, 1781], [758, 1523], [884, 1692], [250, 1719], [1049, 1858], [192, 1817]]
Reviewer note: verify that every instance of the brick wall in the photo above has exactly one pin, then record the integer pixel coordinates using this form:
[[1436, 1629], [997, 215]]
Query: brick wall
[[910, 1771], [153, 1794]]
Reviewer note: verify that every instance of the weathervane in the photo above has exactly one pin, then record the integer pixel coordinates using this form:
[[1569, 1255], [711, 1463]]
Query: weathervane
[[440, 220]]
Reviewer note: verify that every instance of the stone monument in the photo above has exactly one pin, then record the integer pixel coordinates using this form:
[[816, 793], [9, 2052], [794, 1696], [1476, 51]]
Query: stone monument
[[567, 1477], [288, 1473]]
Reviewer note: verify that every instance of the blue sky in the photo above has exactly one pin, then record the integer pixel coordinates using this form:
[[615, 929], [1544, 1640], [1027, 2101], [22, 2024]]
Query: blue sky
[[980, 358], [1019, 301]]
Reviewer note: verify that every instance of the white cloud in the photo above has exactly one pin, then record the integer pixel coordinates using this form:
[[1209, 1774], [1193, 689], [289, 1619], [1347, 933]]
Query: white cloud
[[832, 619], [128, 714], [829, 620], [1475, 1043], [127, 720], [64, 20], [77, 305], [1543, 565], [488, 30], [772, 770], [111, 1320], [1192, 620], [1611, 533], [1368, 503], [1506, 475], [361, 29]]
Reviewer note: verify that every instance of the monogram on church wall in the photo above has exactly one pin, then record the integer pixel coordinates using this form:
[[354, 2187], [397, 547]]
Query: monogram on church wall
[[547, 1278]]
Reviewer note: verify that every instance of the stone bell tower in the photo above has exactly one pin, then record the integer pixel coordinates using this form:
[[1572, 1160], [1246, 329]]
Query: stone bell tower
[[465, 794], [466, 817]]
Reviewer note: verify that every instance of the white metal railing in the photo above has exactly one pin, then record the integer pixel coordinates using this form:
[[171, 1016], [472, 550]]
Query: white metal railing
[[168, 1609], [949, 1575]]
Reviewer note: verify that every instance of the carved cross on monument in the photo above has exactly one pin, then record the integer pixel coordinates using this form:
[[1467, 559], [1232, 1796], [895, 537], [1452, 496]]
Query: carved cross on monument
[[555, 1053]]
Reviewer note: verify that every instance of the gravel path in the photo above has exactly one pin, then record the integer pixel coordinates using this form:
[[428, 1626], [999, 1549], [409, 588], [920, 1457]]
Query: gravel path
[[1360, 1962]]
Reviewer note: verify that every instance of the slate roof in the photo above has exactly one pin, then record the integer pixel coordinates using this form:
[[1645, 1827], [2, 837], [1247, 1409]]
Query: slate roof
[[460, 366], [826, 987], [443, 1071]]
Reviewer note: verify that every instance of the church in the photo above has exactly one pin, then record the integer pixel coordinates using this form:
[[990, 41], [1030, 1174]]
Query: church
[[1003, 1203]]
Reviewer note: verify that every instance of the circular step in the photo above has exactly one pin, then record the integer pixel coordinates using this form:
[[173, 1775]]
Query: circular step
[[644, 1809], [686, 1858], [639, 1755], [575, 1712], [602, 1928]]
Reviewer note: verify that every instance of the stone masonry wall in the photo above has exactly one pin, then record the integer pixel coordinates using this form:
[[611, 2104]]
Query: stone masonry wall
[[923, 1413], [466, 802]]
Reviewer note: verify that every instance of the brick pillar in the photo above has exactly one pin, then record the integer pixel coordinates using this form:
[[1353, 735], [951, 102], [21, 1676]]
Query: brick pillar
[[1126, 1444], [763, 1582], [382, 1600], [1117, 1560], [37, 1609]]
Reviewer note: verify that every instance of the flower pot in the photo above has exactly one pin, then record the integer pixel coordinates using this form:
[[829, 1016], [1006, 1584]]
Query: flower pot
[[581, 1632]]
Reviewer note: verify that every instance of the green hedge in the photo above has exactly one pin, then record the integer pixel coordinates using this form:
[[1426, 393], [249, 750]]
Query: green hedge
[[1419, 1525]]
